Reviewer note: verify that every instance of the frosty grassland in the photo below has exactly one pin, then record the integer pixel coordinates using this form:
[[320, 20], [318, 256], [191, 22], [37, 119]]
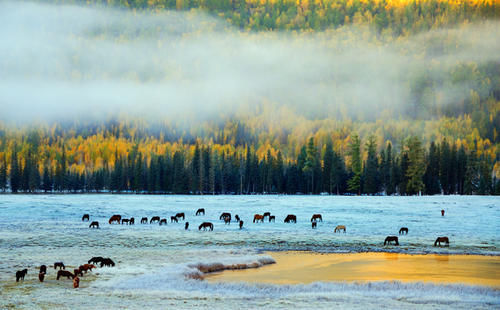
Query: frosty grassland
[[153, 261]]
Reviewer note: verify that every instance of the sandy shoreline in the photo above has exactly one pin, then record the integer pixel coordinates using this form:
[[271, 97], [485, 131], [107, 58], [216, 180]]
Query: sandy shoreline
[[306, 267]]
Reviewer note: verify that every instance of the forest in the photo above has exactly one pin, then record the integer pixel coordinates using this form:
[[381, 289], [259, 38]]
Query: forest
[[378, 98]]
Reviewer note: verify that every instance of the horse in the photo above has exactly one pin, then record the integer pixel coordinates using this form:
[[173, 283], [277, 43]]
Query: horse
[[200, 211], [131, 221], [272, 218], [258, 217], [316, 217], [266, 214], [115, 218], [442, 239], [41, 276], [107, 262], [181, 214], [314, 225], [144, 220], [77, 271], [163, 221], [186, 226], [43, 269], [95, 260], [125, 221], [227, 220], [20, 274], [237, 218], [86, 267], [60, 265], [241, 224], [76, 282], [173, 219], [339, 228], [390, 239], [290, 218], [206, 225], [154, 219], [403, 230], [86, 217], [94, 224], [442, 212], [224, 215], [65, 273]]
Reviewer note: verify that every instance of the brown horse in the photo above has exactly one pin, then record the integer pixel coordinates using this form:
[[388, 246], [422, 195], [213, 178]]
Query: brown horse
[[94, 224], [76, 282], [131, 221], [314, 224], [60, 265], [20, 274], [403, 230], [227, 220], [181, 214], [163, 221], [206, 225], [173, 219], [86, 267], [115, 219], [339, 228], [225, 215], [237, 218], [144, 220], [442, 239], [86, 217], [316, 217], [272, 218], [65, 273], [200, 211], [390, 239], [241, 224], [77, 271], [154, 219], [442, 212], [258, 217], [290, 218], [41, 276]]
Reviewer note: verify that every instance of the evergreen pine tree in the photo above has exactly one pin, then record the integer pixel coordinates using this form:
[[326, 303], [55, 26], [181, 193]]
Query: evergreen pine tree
[[354, 183]]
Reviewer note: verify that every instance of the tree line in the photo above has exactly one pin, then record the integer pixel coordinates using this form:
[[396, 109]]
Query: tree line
[[442, 168]]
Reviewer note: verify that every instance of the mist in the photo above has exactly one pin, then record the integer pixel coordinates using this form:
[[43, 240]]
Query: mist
[[61, 61]]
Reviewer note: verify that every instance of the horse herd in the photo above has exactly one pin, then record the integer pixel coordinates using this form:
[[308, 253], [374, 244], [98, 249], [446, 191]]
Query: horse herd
[[227, 218], [62, 272]]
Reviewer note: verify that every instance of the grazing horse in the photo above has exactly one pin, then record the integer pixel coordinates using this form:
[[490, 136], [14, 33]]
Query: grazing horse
[[131, 221], [77, 271], [144, 220], [237, 218], [186, 226], [290, 218], [65, 273], [442, 239], [241, 224], [115, 218], [266, 214], [200, 211], [107, 262], [206, 225], [225, 215], [86, 267], [20, 274], [390, 239], [272, 218], [125, 221], [258, 217], [95, 260], [339, 228], [163, 221], [60, 265], [314, 224], [76, 282], [316, 217], [227, 220], [173, 219], [181, 214], [154, 219], [43, 269], [403, 230], [94, 224], [86, 217]]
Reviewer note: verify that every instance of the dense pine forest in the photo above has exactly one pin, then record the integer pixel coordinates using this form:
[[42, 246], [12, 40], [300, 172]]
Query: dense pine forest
[[350, 126]]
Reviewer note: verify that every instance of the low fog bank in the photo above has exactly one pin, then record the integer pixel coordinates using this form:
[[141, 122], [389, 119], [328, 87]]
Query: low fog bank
[[66, 61]]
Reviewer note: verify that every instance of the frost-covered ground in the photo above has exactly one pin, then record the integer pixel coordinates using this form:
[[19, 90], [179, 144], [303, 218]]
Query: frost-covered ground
[[152, 260]]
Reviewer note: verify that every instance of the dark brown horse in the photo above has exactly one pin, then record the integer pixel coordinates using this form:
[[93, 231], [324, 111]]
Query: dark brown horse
[[60, 265], [41, 276], [86, 217], [95, 260], [272, 218], [258, 217], [266, 214], [20, 274], [179, 215], [115, 219], [316, 217], [186, 226], [200, 211], [144, 220], [86, 267], [94, 224], [241, 224], [131, 221], [442, 212], [173, 219], [125, 221], [237, 218], [290, 218], [442, 239], [227, 220], [76, 282], [314, 224], [390, 239], [225, 215], [154, 219], [77, 271], [107, 262], [163, 221], [403, 230], [206, 225], [65, 273]]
